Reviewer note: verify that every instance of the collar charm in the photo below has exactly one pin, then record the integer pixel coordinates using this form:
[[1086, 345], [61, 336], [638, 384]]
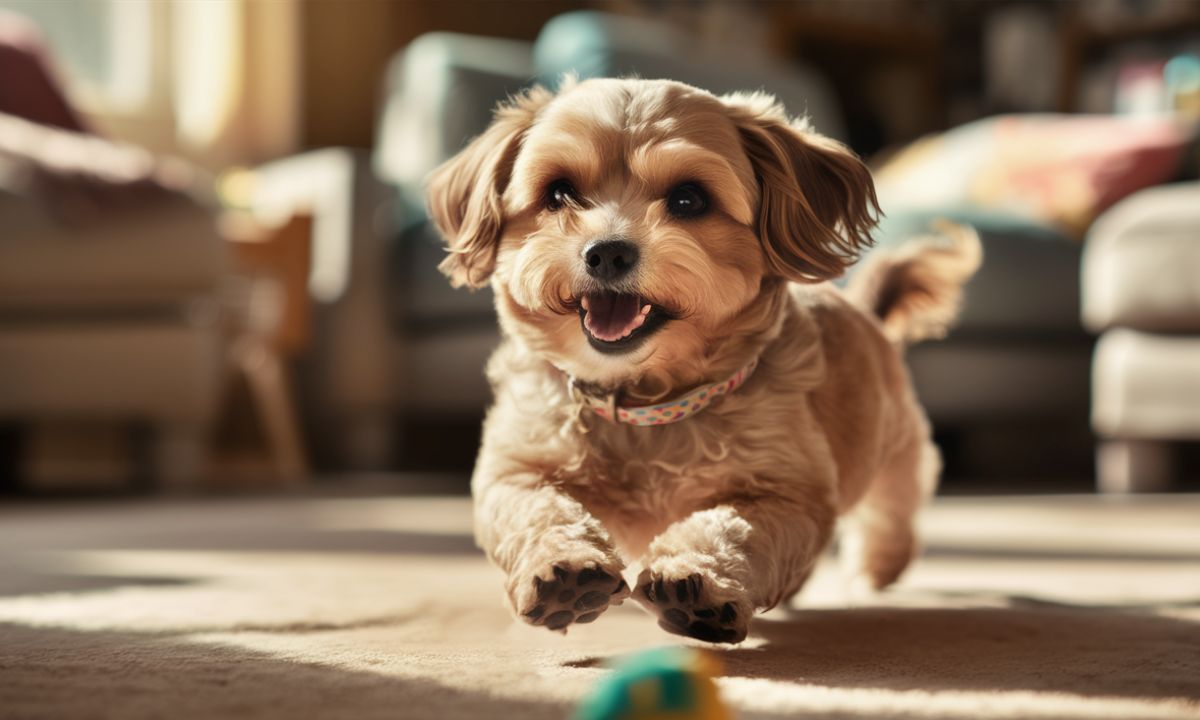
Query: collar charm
[[663, 413]]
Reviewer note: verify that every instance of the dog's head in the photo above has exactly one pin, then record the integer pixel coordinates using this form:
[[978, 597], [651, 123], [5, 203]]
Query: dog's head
[[628, 224]]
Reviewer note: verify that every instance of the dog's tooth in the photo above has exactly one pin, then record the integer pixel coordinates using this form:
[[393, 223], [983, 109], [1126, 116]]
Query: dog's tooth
[[645, 310], [634, 324], [590, 322], [584, 302]]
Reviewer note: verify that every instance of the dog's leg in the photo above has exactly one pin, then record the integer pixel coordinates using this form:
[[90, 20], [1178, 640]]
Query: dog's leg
[[705, 575], [560, 563], [878, 538]]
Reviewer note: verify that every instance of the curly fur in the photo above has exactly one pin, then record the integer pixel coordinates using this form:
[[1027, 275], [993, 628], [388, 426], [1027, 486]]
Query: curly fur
[[738, 500]]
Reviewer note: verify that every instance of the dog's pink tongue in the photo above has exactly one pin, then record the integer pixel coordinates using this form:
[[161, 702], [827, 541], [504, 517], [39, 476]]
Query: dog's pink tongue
[[612, 316]]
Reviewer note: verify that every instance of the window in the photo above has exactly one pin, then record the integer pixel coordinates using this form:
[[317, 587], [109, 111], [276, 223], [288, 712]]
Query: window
[[103, 47]]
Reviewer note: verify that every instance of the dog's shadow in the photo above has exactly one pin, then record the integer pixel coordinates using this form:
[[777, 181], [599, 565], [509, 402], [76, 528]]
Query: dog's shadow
[[1029, 645]]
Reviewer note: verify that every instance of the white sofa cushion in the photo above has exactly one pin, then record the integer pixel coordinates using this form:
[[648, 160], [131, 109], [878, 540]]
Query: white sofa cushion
[[1146, 386], [163, 371], [165, 254], [1141, 264]]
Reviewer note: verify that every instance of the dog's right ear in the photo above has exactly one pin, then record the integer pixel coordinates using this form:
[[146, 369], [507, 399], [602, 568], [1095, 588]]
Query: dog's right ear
[[464, 193]]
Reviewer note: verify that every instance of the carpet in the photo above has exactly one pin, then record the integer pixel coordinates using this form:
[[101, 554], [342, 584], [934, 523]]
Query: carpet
[[380, 607]]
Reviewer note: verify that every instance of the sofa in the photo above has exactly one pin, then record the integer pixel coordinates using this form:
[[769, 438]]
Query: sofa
[[1141, 293], [109, 318]]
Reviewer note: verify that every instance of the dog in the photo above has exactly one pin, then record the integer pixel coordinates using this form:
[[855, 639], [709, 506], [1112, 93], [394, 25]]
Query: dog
[[680, 391]]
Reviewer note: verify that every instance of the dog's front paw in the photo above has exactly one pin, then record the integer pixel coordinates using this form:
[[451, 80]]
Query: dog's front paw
[[697, 605], [563, 594]]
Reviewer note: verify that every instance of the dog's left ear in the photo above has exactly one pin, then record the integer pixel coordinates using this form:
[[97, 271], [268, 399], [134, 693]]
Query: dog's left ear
[[817, 202], [464, 193]]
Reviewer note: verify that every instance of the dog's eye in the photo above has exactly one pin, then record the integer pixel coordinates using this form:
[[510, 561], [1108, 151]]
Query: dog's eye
[[687, 201], [559, 194]]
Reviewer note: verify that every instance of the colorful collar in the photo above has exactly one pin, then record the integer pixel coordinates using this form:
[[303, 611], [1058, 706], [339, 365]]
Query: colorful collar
[[605, 404]]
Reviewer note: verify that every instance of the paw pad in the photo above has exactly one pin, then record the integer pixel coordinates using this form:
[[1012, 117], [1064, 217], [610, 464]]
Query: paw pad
[[574, 596], [686, 607]]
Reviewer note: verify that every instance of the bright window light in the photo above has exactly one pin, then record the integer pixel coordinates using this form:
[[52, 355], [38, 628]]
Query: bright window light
[[104, 47]]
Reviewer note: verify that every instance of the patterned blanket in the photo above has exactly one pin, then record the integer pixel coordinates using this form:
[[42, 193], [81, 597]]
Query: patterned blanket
[[1058, 170]]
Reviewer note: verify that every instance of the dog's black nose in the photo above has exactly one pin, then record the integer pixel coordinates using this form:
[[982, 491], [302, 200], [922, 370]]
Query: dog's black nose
[[610, 259]]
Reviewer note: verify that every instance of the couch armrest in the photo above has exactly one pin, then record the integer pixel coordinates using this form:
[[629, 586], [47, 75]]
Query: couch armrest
[[1142, 260], [440, 92]]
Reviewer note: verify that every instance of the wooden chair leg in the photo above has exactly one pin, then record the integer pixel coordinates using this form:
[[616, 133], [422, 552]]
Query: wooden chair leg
[[1134, 466], [266, 377]]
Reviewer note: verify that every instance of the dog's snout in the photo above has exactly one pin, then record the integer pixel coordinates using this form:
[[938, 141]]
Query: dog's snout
[[610, 259]]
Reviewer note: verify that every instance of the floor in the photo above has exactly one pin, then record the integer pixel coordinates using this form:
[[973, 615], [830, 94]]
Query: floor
[[380, 607]]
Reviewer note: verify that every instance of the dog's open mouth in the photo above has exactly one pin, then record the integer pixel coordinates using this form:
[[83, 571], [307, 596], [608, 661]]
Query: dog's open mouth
[[618, 322]]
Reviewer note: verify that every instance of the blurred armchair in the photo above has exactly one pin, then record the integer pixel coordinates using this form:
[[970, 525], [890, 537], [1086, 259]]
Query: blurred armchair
[[1141, 291], [440, 92], [108, 293], [1011, 381]]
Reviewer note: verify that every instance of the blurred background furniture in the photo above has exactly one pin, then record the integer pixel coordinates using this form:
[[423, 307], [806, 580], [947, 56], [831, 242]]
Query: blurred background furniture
[[121, 315], [1010, 381], [440, 91], [348, 372], [1141, 291], [268, 320], [116, 321], [340, 110]]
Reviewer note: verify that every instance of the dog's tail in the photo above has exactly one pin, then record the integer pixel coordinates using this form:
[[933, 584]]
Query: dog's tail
[[915, 289]]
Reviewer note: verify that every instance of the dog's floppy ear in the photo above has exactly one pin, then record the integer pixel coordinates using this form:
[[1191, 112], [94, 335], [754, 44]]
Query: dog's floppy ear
[[817, 199], [464, 193]]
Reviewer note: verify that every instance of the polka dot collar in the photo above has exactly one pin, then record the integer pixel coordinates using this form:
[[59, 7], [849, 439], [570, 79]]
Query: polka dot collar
[[606, 406]]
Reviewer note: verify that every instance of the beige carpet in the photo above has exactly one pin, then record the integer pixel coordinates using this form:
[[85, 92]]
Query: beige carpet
[[368, 608]]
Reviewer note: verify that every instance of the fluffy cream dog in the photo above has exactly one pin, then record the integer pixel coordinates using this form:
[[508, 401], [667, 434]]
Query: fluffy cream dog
[[655, 249]]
